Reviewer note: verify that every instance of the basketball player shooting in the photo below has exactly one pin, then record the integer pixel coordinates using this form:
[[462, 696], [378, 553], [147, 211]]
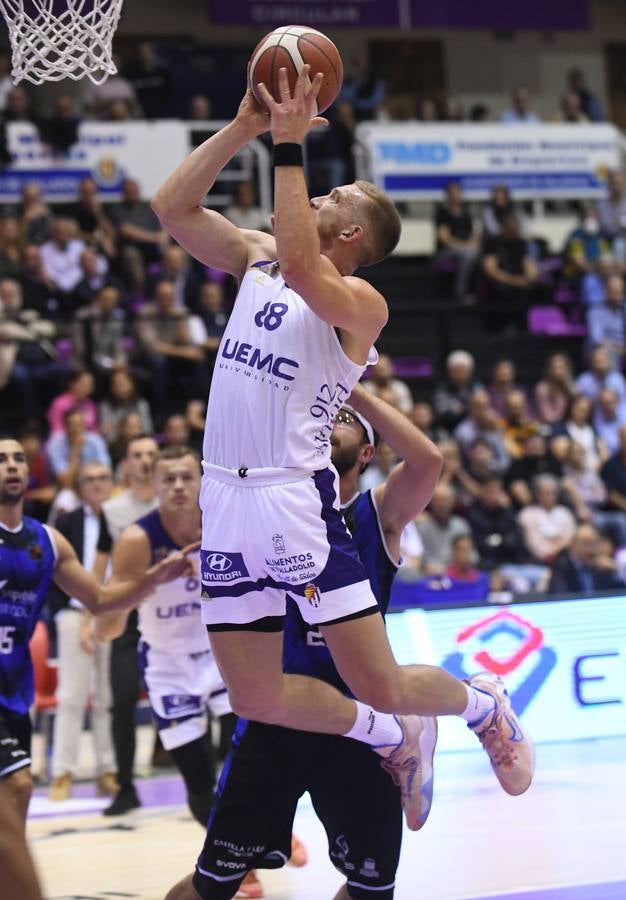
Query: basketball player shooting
[[298, 340]]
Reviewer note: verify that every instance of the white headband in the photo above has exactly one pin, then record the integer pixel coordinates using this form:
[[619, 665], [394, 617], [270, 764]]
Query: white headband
[[369, 431]]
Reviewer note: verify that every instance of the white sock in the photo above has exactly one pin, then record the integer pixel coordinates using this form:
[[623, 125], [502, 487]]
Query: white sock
[[377, 729], [479, 705]]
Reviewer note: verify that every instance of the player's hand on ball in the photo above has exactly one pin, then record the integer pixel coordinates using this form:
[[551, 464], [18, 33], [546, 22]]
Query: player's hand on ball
[[294, 116], [252, 115]]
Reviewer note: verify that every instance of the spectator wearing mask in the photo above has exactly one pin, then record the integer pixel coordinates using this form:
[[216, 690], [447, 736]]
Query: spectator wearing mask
[[438, 528], [78, 394], [382, 383], [456, 237], [605, 323], [553, 393], [74, 447], [494, 526], [585, 247], [548, 527], [577, 570], [520, 112], [83, 662], [452, 398]]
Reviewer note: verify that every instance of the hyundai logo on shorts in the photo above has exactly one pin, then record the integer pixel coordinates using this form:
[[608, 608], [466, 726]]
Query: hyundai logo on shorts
[[219, 563], [219, 567]]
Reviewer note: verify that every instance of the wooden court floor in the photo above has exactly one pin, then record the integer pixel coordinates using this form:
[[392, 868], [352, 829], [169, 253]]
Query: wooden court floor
[[564, 840]]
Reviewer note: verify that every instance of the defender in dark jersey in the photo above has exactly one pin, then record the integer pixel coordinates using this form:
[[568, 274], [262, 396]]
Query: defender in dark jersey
[[31, 556], [269, 767]]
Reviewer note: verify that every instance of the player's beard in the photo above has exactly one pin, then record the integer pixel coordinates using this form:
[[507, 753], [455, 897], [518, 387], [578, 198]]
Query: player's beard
[[10, 499], [344, 458]]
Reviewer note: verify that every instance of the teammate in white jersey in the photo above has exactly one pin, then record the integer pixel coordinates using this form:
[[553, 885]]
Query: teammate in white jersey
[[300, 336]]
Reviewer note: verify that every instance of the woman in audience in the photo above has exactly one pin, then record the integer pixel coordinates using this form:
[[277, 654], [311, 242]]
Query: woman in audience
[[555, 390], [501, 384], [122, 398], [78, 393], [548, 526], [578, 427]]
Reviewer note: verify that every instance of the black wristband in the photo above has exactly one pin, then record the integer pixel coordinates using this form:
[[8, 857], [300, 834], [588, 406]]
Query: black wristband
[[288, 155]]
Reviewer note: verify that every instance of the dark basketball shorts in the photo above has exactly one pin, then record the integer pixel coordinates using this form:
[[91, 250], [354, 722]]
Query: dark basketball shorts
[[266, 773], [15, 734]]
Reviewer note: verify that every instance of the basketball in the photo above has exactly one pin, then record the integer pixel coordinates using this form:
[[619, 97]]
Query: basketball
[[291, 47]]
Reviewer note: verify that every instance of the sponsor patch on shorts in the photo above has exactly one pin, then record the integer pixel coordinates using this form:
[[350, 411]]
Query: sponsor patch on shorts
[[221, 568], [180, 704]]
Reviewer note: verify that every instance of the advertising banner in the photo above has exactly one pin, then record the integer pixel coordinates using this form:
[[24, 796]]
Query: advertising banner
[[563, 662], [415, 161], [319, 14], [108, 152]]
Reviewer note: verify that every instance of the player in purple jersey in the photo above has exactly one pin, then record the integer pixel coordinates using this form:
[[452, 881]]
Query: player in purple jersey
[[269, 768], [31, 556]]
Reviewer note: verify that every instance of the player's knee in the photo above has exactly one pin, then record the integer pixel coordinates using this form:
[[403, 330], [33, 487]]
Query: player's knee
[[20, 786]]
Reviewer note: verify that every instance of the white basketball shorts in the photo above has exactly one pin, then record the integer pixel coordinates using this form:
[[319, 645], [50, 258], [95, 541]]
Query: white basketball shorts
[[265, 532], [180, 689]]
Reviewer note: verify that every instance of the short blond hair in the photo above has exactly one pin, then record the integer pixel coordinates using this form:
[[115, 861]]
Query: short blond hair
[[381, 222]]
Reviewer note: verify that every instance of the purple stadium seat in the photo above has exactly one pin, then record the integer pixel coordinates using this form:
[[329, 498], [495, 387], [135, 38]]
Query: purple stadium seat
[[551, 320]]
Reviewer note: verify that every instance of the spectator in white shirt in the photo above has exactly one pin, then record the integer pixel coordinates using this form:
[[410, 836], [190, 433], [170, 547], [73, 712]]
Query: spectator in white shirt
[[61, 255], [520, 112], [548, 527]]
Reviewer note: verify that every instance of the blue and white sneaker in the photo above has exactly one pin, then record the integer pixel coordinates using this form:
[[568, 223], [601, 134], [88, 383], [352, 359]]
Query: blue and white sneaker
[[411, 767], [508, 744]]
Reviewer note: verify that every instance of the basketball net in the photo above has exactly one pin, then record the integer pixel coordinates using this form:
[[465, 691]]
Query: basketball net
[[56, 39]]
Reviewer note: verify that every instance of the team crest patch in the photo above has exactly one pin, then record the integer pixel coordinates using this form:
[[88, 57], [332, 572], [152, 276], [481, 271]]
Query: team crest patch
[[312, 593], [35, 551]]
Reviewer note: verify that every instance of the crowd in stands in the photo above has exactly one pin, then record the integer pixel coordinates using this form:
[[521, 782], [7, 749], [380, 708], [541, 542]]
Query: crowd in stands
[[109, 330]]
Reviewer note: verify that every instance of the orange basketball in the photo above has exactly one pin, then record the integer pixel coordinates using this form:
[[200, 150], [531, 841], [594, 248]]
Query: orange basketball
[[291, 47]]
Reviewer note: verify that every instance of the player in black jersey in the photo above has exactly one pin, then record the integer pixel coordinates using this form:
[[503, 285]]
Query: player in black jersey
[[269, 767], [31, 556]]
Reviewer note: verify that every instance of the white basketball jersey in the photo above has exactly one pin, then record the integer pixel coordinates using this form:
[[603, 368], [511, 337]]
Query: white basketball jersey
[[169, 619], [280, 377]]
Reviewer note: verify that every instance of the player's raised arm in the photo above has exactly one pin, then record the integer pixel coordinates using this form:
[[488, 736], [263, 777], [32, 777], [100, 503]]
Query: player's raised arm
[[119, 594], [410, 485], [323, 240], [205, 234]]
